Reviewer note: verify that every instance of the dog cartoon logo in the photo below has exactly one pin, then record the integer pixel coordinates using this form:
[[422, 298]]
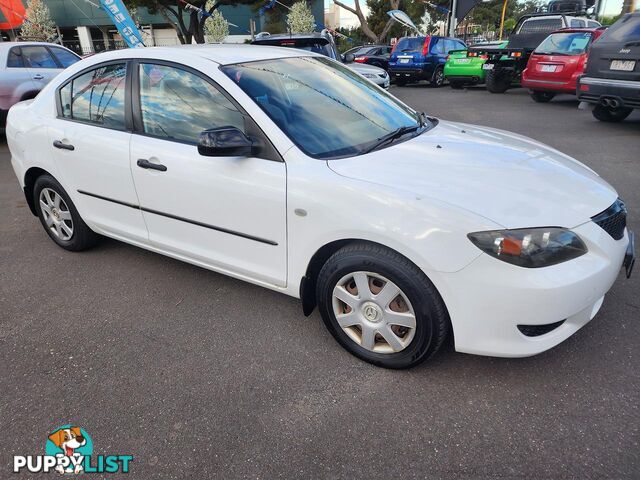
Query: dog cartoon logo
[[72, 442]]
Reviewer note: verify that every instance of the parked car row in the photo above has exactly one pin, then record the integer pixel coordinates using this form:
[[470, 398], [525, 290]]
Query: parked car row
[[600, 65]]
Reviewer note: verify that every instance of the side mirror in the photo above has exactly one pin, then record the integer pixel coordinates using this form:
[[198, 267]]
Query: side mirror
[[224, 142], [349, 57]]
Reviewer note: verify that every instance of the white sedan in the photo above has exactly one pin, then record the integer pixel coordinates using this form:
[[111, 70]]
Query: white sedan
[[288, 170]]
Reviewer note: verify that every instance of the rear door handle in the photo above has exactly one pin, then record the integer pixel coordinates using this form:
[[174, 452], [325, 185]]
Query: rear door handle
[[63, 146], [144, 163], [37, 76]]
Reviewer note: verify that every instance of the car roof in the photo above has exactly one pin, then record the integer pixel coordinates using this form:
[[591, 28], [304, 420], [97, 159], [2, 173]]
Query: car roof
[[280, 36], [224, 54], [28, 44], [578, 30]]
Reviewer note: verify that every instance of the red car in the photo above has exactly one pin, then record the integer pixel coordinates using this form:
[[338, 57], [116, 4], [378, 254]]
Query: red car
[[556, 64]]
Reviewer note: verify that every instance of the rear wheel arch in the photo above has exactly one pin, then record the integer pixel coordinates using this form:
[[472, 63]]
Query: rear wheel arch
[[31, 94], [30, 178]]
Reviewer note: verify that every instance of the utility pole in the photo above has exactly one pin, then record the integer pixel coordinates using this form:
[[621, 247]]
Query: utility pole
[[452, 19]]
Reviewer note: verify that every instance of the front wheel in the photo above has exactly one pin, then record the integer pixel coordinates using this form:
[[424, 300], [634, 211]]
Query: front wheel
[[381, 307], [606, 114], [59, 216], [541, 97]]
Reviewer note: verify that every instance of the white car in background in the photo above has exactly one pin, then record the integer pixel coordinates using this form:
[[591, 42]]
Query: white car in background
[[286, 169], [26, 67]]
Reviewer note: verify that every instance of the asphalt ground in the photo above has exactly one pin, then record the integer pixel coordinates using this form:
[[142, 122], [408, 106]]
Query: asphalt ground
[[201, 376]]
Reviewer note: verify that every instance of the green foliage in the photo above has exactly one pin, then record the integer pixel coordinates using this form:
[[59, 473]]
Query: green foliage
[[39, 26], [300, 19], [356, 38], [378, 17], [216, 27]]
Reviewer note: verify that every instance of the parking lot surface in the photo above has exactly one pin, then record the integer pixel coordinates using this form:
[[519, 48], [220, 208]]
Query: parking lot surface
[[201, 376]]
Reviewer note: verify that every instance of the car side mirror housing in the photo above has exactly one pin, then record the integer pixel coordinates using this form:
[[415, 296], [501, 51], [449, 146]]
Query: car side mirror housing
[[349, 57], [225, 142]]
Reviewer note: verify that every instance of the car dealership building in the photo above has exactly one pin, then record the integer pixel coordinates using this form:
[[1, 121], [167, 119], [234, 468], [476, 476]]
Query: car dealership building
[[87, 29]]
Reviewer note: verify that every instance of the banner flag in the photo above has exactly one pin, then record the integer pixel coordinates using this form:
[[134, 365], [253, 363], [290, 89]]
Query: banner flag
[[402, 18], [123, 22]]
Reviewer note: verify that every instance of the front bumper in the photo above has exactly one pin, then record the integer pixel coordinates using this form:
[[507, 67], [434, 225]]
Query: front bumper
[[594, 90], [488, 299]]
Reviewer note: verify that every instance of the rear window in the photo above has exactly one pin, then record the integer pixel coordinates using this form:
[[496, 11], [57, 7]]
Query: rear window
[[540, 25], [565, 44], [627, 29], [316, 45], [410, 44]]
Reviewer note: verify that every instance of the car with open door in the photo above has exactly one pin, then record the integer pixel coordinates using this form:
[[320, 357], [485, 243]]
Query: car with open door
[[611, 81], [557, 63], [286, 169]]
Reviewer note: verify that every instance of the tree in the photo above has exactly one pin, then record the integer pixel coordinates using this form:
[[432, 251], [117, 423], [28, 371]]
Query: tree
[[38, 25], [216, 28], [300, 18], [377, 26], [187, 21]]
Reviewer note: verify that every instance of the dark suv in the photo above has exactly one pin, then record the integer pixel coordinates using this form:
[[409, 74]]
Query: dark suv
[[612, 78], [421, 58]]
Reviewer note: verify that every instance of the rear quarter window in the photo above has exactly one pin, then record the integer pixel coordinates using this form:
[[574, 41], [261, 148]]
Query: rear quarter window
[[627, 29]]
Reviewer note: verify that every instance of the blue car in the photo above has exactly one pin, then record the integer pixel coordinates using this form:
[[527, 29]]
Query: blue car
[[421, 58]]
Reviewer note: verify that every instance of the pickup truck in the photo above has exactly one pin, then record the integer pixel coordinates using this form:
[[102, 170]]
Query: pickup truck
[[504, 66]]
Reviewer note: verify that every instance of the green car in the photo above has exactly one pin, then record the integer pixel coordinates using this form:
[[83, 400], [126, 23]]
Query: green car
[[461, 70]]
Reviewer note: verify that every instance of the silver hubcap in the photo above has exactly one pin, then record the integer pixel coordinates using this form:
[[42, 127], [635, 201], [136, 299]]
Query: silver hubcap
[[57, 216], [374, 312]]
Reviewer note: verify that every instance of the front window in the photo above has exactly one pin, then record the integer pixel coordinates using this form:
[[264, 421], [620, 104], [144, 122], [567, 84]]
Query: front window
[[326, 109], [38, 57], [564, 44]]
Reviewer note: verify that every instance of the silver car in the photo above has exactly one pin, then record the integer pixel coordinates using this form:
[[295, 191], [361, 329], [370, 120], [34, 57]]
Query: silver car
[[26, 67]]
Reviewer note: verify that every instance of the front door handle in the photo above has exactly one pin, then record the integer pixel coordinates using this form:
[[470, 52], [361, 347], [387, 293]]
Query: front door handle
[[144, 163], [37, 76], [63, 146]]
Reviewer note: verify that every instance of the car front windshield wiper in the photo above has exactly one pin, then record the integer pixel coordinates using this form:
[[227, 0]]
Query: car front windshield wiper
[[391, 136]]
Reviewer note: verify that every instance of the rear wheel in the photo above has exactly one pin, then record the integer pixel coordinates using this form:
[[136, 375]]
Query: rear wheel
[[381, 307], [497, 82], [606, 114], [59, 216], [437, 80], [542, 97]]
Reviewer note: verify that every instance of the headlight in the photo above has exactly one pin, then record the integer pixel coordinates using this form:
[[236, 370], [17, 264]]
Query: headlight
[[530, 247], [369, 75]]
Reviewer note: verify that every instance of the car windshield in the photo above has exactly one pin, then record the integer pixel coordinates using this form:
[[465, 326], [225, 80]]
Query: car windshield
[[626, 30], [410, 44], [325, 108], [564, 44]]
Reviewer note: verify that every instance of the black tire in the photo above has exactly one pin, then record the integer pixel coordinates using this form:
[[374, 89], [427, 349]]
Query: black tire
[[605, 114], [432, 319], [497, 82], [541, 97], [82, 237], [437, 79], [456, 84], [401, 82]]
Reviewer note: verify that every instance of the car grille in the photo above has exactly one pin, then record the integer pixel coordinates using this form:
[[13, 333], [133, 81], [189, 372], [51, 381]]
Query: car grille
[[613, 220], [537, 330]]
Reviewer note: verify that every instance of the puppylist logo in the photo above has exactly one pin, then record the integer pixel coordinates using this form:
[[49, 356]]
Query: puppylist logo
[[69, 450]]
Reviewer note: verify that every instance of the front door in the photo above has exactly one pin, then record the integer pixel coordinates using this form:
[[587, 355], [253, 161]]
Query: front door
[[90, 142], [228, 213]]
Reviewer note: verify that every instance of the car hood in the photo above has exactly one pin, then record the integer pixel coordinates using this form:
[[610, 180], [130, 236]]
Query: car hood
[[364, 68], [507, 178]]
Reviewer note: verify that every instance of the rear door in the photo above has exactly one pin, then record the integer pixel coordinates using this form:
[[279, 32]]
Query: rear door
[[616, 54], [438, 54], [41, 64], [17, 78]]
